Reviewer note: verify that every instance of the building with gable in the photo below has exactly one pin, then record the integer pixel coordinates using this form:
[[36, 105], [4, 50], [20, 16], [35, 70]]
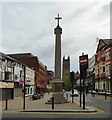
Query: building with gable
[[40, 69], [103, 66]]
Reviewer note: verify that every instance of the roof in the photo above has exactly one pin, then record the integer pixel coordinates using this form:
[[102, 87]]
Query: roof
[[103, 43], [107, 41], [28, 59], [20, 55]]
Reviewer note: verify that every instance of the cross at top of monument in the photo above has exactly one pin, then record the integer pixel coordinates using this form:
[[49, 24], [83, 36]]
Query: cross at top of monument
[[58, 19]]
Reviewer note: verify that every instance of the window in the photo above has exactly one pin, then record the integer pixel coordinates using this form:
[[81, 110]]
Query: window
[[9, 64], [98, 71], [6, 75], [107, 55], [103, 69], [20, 73], [28, 90], [31, 91], [107, 69], [16, 77]]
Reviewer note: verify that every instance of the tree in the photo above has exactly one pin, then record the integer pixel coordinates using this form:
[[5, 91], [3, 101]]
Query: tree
[[77, 76]]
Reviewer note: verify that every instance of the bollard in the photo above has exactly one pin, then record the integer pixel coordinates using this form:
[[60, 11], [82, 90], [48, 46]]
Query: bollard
[[6, 107], [52, 102], [83, 100], [105, 95]]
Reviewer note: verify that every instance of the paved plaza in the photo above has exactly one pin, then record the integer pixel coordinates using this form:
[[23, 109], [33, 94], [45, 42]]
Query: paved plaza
[[16, 105]]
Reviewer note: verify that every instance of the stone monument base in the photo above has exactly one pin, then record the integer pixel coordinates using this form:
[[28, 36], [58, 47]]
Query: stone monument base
[[58, 98], [57, 93]]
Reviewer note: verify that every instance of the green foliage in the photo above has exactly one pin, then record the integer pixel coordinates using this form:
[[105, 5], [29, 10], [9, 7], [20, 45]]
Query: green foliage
[[67, 85], [77, 76]]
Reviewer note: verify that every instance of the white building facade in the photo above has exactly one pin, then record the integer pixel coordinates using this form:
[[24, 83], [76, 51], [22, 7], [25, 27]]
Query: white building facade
[[30, 81], [91, 73], [12, 78]]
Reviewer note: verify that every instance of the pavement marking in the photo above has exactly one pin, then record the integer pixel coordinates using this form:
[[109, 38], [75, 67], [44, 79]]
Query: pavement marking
[[99, 111], [60, 113]]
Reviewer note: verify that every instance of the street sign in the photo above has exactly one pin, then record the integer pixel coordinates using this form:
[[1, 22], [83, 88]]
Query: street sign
[[21, 82], [83, 61]]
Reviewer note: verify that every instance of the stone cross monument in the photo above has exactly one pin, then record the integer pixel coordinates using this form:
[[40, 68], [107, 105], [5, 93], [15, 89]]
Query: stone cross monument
[[57, 83], [58, 32]]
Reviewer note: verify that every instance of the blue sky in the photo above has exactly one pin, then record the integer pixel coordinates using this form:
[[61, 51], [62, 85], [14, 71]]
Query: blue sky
[[28, 26]]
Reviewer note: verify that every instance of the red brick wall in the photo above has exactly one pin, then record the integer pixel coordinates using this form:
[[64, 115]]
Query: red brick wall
[[40, 71]]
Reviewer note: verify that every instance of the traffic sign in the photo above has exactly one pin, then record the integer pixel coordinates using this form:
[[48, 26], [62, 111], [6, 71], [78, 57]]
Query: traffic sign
[[21, 82], [83, 61]]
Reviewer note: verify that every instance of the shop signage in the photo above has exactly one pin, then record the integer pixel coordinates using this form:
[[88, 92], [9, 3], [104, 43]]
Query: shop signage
[[6, 85]]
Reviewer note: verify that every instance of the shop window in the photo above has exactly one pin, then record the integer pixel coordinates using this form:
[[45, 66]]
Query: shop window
[[7, 75]]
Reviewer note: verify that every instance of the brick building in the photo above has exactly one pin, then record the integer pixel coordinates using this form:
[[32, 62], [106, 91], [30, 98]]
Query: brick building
[[40, 69], [103, 65]]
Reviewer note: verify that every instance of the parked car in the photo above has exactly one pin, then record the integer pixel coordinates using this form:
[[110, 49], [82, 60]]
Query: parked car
[[94, 92], [36, 96], [75, 93]]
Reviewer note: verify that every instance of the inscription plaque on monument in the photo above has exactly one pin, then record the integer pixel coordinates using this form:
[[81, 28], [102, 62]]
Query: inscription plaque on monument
[[57, 88]]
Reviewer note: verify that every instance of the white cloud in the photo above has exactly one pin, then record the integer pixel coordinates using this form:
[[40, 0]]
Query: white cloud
[[29, 27]]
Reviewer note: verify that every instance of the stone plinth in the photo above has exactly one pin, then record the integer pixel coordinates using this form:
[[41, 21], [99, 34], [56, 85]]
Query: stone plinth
[[57, 85], [57, 93], [58, 98]]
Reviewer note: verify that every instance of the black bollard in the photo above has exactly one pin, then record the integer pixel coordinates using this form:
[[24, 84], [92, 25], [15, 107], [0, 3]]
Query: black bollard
[[105, 95], [52, 102], [83, 100], [6, 107]]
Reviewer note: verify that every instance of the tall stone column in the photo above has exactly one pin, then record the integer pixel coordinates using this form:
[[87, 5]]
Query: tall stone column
[[58, 32], [57, 83]]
